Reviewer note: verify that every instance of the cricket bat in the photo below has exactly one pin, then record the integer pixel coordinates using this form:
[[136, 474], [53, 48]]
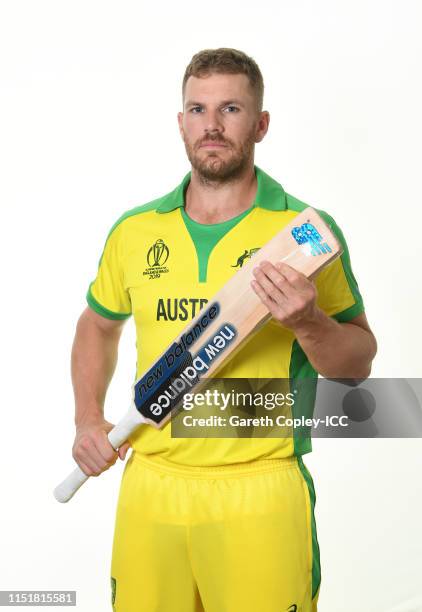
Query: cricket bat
[[221, 327]]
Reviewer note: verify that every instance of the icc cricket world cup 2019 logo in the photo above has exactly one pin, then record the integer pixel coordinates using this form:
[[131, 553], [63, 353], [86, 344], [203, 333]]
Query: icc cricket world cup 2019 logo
[[157, 256]]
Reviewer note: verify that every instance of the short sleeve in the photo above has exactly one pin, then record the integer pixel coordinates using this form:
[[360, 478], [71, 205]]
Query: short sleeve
[[338, 291], [107, 294]]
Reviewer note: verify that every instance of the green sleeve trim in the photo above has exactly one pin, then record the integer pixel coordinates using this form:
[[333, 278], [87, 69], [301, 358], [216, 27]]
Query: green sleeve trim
[[349, 313], [104, 312]]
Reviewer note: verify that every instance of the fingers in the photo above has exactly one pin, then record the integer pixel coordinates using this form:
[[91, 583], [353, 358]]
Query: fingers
[[288, 294], [282, 281], [123, 450], [287, 280], [271, 286], [274, 308], [295, 278], [270, 283], [93, 452]]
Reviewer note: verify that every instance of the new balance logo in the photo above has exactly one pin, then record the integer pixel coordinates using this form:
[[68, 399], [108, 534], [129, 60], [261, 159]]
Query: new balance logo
[[311, 240]]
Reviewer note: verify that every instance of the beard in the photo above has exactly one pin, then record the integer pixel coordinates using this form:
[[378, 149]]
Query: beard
[[210, 167]]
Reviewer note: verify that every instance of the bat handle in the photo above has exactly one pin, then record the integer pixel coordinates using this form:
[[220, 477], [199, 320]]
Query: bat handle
[[67, 489], [119, 434]]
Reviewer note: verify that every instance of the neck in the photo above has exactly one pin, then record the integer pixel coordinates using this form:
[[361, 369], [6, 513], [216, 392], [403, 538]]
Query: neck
[[212, 202]]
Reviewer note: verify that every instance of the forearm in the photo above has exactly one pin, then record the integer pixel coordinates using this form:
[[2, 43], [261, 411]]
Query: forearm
[[337, 350], [93, 362]]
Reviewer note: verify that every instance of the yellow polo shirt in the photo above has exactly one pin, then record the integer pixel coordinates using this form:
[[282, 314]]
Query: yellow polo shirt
[[150, 269]]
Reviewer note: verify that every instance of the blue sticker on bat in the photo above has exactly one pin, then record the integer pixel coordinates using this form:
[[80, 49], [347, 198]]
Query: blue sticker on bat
[[308, 235]]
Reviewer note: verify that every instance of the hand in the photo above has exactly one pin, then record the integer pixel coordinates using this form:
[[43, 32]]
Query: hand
[[288, 294], [92, 450]]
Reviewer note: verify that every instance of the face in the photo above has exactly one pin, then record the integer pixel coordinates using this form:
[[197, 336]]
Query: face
[[220, 125]]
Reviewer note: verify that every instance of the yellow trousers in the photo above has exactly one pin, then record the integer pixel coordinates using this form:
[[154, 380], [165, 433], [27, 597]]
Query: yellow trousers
[[232, 538]]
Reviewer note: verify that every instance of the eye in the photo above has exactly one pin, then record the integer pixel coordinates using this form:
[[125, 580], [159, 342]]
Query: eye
[[232, 107], [195, 108]]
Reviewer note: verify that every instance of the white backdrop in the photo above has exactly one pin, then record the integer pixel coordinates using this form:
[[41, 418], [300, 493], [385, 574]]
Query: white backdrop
[[89, 93]]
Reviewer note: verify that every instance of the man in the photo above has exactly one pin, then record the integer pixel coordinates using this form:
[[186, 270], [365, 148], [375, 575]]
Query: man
[[213, 524]]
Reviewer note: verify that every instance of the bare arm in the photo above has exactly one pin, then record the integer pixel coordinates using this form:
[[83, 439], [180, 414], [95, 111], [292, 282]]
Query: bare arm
[[94, 359], [338, 350]]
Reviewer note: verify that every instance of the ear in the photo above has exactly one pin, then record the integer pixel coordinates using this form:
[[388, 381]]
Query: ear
[[180, 122], [262, 126]]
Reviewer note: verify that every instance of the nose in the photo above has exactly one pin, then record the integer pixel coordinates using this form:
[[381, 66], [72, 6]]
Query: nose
[[213, 123]]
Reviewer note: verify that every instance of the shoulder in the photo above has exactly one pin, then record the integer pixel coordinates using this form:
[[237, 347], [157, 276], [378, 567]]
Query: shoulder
[[293, 203], [136, 214], [139, 216]]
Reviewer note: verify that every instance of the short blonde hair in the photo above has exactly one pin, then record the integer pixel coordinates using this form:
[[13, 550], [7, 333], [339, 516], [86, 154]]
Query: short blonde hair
[[226, 61]]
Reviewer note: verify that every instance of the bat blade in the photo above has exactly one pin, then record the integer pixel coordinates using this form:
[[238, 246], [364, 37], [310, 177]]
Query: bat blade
[[230, 318], [217, 332]]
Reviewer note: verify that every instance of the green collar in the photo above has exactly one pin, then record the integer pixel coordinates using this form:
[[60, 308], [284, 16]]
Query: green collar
[[270, 194]]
